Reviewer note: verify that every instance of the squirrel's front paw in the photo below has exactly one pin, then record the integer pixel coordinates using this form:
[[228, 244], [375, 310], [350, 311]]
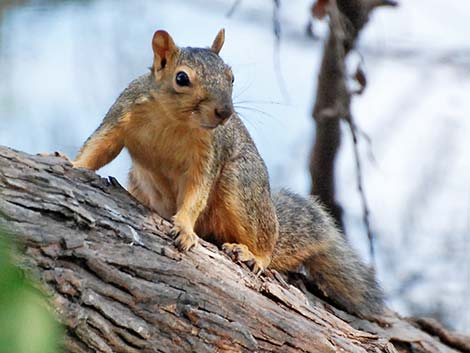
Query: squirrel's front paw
[[241, 253], [184, 240]]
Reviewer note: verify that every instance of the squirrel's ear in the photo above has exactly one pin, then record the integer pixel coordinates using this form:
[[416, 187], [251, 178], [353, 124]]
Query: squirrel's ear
[[164, 49], [218, 41]]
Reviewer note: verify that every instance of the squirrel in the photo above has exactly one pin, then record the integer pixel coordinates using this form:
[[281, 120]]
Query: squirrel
[[193, 161]]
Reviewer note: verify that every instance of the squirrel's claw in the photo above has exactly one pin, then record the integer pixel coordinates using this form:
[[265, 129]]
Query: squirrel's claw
[[184, 240], [241, 253], [173, 233]]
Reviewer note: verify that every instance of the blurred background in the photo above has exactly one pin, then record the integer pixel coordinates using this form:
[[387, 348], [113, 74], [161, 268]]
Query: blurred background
[[63, 63]]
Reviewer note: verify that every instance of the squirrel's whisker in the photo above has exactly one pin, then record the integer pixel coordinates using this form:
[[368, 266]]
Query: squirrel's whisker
[[250, 122], [262, 102], [255, 110]]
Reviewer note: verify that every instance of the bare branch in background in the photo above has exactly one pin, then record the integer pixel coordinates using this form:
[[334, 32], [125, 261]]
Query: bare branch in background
[[372, 4], [319, 9], [360, 187], [232, 10], [277, 49], [277, 44], [276, 20], [361, 79], [333, 101]]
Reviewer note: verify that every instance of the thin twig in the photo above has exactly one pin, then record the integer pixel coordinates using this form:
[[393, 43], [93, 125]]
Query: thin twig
[[233, 8], [277, 49], [372, 4], [368, 139], [360, 188], [343, 31]]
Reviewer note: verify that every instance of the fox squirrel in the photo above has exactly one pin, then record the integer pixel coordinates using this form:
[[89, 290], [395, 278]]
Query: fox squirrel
[[194, 161]]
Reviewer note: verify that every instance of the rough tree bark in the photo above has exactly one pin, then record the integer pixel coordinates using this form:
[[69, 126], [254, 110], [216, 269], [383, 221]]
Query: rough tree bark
[[333, 101], [118, 284]]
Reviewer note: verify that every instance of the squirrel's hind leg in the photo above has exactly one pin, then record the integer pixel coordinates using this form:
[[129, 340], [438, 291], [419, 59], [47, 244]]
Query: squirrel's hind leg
[[241, 253]]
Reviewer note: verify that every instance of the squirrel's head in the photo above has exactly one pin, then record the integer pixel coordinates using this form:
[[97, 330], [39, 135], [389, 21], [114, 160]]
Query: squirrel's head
[[194, 82]]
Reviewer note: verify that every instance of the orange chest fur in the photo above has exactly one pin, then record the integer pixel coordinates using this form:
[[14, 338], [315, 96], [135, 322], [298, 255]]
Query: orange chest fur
[[166, 155]]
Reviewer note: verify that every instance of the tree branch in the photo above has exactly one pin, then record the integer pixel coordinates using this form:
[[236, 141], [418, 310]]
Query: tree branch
[[347, 18], [118, 284]]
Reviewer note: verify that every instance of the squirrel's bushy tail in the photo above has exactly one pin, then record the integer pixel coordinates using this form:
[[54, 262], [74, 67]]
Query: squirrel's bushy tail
[[308, 237]]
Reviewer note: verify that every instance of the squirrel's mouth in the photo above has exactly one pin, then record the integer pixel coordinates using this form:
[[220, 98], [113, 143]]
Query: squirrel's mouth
[[209, 127]]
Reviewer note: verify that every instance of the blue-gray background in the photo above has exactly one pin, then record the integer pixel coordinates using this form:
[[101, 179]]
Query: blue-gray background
[[63, 63]]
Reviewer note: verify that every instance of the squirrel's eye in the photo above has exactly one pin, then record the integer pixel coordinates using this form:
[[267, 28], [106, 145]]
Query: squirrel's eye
[[233, 79], [182, 79]]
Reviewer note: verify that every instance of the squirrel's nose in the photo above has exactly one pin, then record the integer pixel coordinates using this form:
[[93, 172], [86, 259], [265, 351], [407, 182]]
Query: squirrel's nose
[[224, 113]]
